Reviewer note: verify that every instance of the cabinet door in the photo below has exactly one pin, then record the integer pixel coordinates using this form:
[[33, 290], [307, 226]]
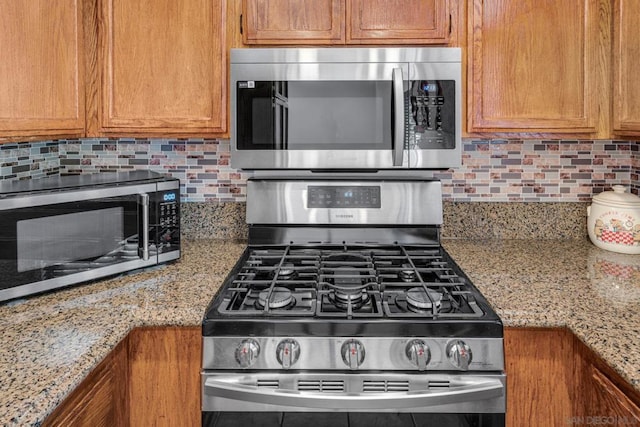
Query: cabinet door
[[539, 376], [293, 21], [397, 21], [164, 368], [41, 68], [537, 65], [163, 66], [626, 62]]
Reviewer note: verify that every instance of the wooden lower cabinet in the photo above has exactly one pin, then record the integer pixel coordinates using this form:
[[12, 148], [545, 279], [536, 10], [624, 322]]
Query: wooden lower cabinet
[[153, 378], [101, 399], [554, 379]]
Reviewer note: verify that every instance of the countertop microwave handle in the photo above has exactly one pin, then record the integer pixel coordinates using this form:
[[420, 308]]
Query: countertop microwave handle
[[471, 389], [398, 116], [144, 201]]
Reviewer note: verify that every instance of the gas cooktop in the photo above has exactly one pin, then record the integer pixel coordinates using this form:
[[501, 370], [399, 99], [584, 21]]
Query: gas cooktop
[[342, 288]]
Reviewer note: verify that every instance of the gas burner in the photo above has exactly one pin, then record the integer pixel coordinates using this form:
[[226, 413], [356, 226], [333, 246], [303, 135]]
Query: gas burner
[[418, 299], [287, 271], [407, 274], [343, 300], [280, 298]]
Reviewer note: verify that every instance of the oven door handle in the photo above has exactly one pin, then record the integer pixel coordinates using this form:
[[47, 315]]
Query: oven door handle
[[398, 117], [471, 389]]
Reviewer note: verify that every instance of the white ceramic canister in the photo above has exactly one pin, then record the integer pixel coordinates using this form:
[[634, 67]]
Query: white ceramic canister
[[614, 221]]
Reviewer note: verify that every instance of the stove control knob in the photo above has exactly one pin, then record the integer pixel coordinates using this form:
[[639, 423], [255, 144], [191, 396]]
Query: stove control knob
[[247, 352], [287, 352], [418, 352], [352, 353], [459, 354]]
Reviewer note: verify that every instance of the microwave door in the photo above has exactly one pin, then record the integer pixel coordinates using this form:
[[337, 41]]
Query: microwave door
[[50, 245], [302, 116]]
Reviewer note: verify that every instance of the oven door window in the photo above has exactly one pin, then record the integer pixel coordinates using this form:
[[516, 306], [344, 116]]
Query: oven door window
[[353, 419], [314, 115], [46, 242]]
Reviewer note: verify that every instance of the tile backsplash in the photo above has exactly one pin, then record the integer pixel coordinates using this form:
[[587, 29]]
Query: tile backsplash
[[492, 170]]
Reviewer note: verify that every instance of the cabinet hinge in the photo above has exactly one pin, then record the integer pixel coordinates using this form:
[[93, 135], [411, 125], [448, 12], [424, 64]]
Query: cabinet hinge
[[240, 23]]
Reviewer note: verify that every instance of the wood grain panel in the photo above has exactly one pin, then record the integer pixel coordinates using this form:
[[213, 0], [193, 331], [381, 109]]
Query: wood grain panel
[[100, 400], [293, 21], [540, 383], [41, 68], [164, 376], [397, 21], [626, 62], [538, 65], [163, 66]]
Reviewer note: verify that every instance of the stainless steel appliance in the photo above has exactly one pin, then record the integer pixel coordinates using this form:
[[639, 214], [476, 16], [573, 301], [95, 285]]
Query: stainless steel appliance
[[345, 108], [63, 230], [345, 310]]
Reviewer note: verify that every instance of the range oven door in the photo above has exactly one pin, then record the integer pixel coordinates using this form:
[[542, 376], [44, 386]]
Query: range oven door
[[353, 399], [54, 239]]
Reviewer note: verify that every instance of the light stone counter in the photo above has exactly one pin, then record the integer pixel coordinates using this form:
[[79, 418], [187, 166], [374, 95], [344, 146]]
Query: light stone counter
[[51, 342]]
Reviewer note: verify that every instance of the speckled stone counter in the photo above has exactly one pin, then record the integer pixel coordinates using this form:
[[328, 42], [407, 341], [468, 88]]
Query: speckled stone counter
[[51, 342]]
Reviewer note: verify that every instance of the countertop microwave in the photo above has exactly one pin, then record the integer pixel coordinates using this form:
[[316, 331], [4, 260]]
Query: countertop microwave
[[346, 108], [62, 230]]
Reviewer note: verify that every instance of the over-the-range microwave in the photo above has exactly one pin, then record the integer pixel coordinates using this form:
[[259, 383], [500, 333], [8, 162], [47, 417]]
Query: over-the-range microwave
[[346, 108], [62, 230]]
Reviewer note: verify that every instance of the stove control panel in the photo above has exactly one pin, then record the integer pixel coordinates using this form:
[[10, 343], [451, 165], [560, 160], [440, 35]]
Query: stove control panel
[[353, 353], [356, 196]]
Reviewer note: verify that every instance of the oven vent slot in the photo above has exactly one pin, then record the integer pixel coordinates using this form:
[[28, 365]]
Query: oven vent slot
[[369, 386], [268, 383], [321, 385], [439, 384]]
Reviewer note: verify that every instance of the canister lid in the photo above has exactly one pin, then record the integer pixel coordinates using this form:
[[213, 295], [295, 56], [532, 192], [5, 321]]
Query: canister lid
[[619, 197]]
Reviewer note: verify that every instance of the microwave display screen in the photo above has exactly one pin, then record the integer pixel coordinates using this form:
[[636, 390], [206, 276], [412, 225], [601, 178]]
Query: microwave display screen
[[51, 240], [343, 197]]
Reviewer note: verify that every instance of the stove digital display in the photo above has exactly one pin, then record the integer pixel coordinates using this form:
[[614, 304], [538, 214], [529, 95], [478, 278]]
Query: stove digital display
[[343, 197]]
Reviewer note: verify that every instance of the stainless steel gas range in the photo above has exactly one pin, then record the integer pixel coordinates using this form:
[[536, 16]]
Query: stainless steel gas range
[[345, 310]]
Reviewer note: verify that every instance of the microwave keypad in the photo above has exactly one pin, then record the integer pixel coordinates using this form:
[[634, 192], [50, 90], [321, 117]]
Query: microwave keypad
[[169, 214], [431, 114]]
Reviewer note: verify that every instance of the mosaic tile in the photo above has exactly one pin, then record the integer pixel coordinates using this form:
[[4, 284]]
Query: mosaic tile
[[492, 170]]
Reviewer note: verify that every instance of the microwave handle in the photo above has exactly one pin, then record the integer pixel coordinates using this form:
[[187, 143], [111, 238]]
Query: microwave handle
[[144, 202], [398, 117]]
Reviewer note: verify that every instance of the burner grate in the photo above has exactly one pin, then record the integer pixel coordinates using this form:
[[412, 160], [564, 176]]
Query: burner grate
[[349, 281]]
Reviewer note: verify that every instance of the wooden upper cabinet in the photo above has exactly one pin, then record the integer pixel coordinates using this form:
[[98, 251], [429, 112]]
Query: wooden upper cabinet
[[626, 62], [293, 21], [397, 21], [538, 66], [41, 68], [319, 22], [162, 66]]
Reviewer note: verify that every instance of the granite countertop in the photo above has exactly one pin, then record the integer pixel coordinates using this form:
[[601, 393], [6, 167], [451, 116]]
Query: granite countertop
[[51, 342]]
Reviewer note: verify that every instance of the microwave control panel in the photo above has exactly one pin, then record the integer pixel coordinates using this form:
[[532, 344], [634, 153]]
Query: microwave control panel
[[168, 219], [432, 114]]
